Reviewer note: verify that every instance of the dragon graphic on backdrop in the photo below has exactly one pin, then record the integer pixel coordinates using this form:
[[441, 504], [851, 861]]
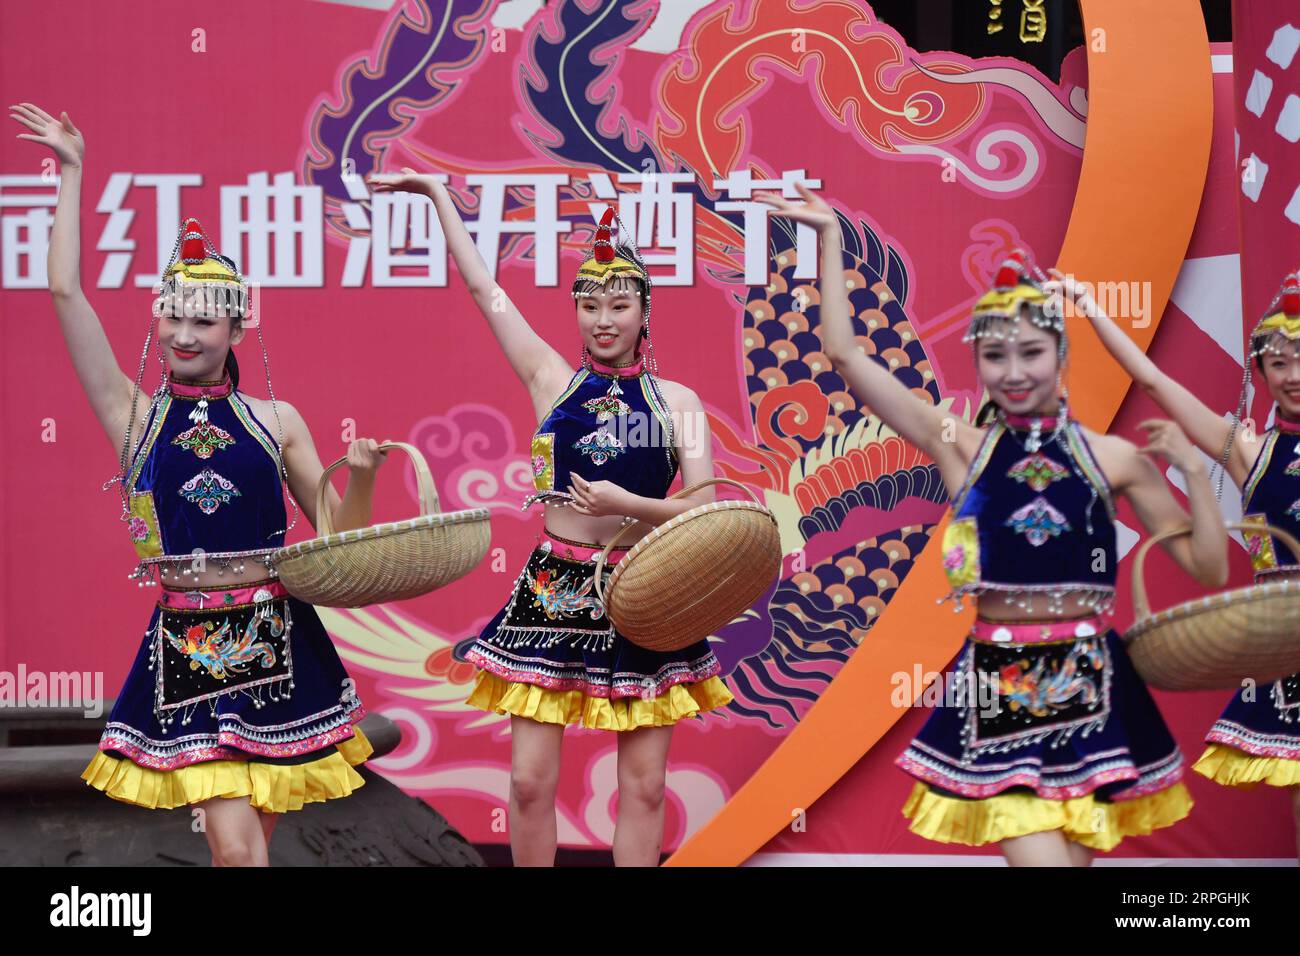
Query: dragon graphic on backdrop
[[855, 503]]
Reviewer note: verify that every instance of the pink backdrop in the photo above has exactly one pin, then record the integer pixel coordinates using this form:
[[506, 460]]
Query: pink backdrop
[[936, 178]]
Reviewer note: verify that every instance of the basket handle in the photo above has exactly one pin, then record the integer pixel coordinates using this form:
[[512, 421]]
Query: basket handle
[[423, 480], [1142, 607], [604, 555]]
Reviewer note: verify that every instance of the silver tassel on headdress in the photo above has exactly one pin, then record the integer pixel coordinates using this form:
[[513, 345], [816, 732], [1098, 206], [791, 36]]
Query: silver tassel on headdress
[[613, 237], [241, 302]]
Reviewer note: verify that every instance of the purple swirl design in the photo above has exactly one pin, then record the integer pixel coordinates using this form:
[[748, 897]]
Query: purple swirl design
[[471, 452]]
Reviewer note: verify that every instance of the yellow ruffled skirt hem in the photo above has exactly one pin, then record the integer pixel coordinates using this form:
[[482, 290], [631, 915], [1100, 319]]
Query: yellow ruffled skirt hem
[[270, 787], [1092, 823], [1235, 768], [680, 701]]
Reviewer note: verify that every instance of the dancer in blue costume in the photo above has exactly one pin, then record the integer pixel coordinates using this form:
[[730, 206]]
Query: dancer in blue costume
[[611, 438], [237, 702], [1256, 740], [1070, 754]]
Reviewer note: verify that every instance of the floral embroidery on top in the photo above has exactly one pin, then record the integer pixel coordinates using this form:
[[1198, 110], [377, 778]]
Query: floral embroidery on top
[[1037, 471], [961, 552], [600, 445], [1259, 544], [204, 439], [954, 557], [1038, 521], [556, 597], [606, 407], [543, 461], [142, 525], [208, 490], [221, 652]]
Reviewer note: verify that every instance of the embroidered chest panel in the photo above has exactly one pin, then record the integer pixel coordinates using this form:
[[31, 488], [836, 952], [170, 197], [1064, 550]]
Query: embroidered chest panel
[[605, 428], [1271, 496], [206, 477], [1029, 516]]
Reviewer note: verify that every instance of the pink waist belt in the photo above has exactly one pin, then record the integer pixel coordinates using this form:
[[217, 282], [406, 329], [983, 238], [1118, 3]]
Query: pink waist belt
[[580, 550], [197, 598], [1035, 632]]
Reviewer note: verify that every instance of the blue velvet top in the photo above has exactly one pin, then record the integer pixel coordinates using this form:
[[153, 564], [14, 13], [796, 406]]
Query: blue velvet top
[[611, 424], [1029, 521], [1271, 495], [206, 476]]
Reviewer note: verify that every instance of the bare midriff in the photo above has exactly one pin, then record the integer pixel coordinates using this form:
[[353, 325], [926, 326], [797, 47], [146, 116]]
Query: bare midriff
[[1006, 606], [567, 523], [184, 574]]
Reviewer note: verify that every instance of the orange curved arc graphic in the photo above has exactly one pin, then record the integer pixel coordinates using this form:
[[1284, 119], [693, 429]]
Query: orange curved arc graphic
[[1144, 166]]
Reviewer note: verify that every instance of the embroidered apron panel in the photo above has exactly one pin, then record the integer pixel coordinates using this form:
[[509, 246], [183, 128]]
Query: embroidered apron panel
[[555, 601], [204, 653], [1286, 696], [1041, 690]]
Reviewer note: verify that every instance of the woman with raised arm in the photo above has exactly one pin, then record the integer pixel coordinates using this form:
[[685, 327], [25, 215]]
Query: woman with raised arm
[[1058, 749], [237, 702], [1257, 738], [611, 437]]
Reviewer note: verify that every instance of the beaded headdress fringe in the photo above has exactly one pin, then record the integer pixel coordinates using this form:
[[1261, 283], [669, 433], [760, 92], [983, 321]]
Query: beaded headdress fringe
[[194, 261], [1279, 325], [608, 248], [1017, 287]]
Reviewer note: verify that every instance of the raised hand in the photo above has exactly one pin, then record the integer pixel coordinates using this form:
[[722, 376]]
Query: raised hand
[[814, 211], [1061, 287], [407, 181], [58, 134]]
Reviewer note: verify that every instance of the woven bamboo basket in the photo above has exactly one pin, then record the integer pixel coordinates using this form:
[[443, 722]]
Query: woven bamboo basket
[[693, 573], [1220, 640], [385, 562]]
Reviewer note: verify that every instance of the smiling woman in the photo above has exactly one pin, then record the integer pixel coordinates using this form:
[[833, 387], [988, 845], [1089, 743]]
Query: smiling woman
[[1074, 756], [236, 701], [1256, 739], [201, 312], [610, 313], [550, 657]]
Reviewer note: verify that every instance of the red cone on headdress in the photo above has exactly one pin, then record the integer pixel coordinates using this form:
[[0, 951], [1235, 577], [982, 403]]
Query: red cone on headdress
[[1013, 271], [192, 246], [1289, 297], [604, 247]]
